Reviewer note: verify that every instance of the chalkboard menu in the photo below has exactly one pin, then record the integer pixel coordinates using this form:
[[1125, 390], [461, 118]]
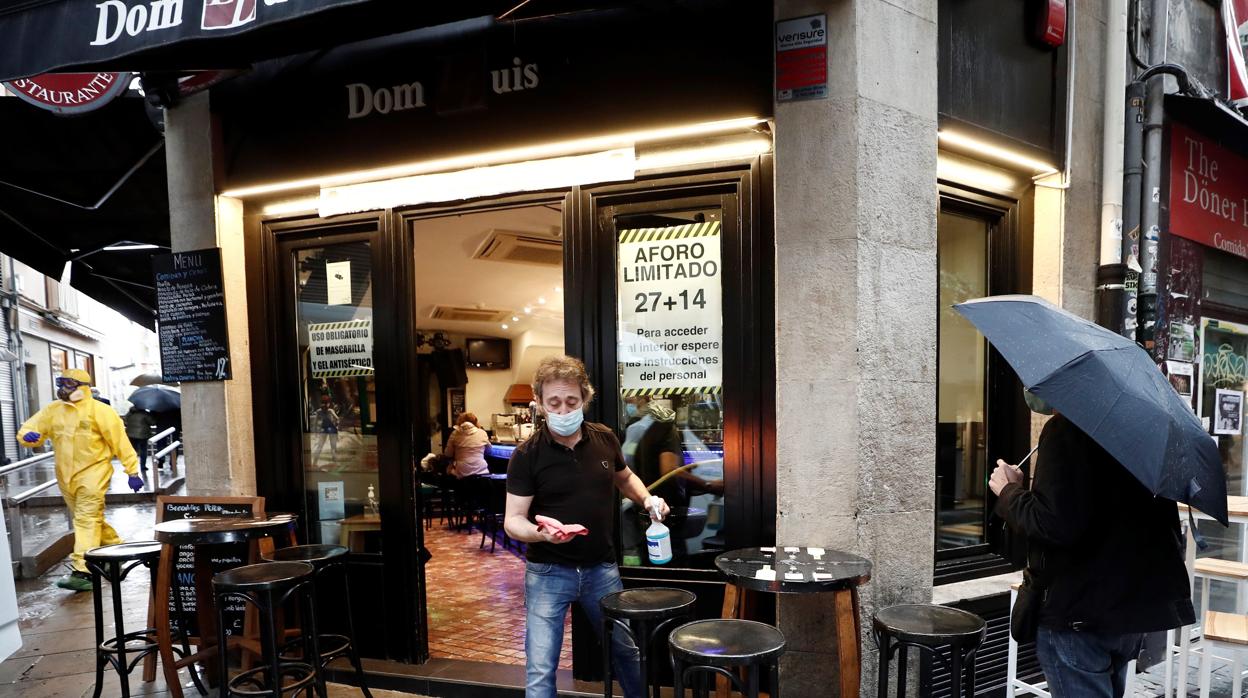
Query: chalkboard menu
[[224, 556], [190, 306]]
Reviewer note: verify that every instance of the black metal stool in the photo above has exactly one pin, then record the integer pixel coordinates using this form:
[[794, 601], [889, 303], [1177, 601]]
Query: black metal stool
[[716, 646], [643, 614], [124, 650], [267, 586], [326, 558], [929, 627]]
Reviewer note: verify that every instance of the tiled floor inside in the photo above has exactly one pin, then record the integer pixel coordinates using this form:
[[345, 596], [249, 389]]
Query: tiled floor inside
[[476, 600]]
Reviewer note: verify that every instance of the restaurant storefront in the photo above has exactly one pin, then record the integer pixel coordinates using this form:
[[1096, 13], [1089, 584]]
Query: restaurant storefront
[[652, 261], [1202, 320]]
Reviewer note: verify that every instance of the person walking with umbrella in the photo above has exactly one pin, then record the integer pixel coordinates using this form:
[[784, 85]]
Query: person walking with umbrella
[[1104, 559], [87, 436]]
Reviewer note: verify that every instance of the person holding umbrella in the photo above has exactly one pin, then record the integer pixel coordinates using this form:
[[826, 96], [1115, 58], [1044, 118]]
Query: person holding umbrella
[[87, 436], [1104, 559]]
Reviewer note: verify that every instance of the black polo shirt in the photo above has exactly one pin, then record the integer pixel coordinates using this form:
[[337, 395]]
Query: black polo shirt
[[573, 485]]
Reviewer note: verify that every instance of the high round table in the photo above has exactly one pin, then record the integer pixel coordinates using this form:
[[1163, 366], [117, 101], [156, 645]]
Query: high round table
[[802, 570], [200, 533]]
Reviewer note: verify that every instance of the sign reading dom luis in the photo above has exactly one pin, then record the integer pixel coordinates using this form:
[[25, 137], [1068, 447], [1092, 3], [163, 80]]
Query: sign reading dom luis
[[1208, 192], [190, 305]]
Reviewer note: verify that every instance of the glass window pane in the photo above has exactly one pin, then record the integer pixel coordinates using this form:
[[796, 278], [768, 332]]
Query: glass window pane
[[1224, 369], [334, 313], [670, 362], [961, 476]]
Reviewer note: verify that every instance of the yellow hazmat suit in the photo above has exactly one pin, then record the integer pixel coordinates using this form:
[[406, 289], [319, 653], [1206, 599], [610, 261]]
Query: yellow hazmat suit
[[86, 435]]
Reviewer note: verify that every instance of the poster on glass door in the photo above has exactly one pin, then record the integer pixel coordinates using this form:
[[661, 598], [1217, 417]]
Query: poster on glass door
[[670, 310]]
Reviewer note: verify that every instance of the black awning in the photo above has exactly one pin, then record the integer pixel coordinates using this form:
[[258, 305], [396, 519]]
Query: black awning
[[71, 187], [173, 34]]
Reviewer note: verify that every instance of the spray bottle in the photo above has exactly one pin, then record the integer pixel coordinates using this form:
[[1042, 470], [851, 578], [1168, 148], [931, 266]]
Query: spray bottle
[[658, 539]]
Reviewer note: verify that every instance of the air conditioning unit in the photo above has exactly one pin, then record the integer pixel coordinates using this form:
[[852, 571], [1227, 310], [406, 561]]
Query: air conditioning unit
[[522, 248], [462, 314]]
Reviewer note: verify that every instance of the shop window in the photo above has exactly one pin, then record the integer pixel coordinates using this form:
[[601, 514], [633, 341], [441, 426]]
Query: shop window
[[670, 370], [977, 400], [85, 362], [333, 324], [59, 359]]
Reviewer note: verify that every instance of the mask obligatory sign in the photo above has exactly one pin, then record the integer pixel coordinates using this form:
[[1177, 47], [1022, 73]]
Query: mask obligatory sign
[[1208, 192]]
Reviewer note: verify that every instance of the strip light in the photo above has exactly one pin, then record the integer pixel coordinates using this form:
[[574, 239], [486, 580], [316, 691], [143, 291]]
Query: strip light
[[532, 152], [531, 175], [995, 152]]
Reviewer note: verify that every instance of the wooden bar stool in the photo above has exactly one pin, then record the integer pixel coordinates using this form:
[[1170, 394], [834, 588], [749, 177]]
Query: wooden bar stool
[[929, 627], [643, 614], [719, 646], [266, 587]]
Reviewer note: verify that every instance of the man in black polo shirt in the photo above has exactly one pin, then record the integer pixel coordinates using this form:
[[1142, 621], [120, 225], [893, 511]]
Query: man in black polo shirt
[[569, 471]]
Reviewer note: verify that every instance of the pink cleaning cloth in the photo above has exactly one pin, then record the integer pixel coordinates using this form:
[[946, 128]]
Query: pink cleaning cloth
[[560, 528]]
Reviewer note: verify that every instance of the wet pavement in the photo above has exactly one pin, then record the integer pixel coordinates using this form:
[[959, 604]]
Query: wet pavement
[[57, 657]]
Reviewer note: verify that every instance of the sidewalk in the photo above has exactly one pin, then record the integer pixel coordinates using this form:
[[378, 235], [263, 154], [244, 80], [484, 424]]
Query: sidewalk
[[57, 659]]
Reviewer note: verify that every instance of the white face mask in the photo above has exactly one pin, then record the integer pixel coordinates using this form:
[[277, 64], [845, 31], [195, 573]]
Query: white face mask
[[565, 424]]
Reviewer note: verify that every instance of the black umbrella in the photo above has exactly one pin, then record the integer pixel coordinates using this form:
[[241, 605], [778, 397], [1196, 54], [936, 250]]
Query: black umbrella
[[157, 398], [1111, 389]]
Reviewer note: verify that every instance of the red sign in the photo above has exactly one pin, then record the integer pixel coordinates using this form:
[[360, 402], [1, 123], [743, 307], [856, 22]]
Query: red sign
[[1208, 192], [1051, 28], [802, 58], [70, 93]]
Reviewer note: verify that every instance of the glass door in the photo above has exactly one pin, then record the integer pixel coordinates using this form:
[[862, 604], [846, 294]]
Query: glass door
[[344, 429], [1219, 403]]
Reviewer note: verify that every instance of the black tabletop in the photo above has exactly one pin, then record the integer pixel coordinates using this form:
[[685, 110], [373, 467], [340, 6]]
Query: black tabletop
[[208, 531], [928, 621], [794, 570]]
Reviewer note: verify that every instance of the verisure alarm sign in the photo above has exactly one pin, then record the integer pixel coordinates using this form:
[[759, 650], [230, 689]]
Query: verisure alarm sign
[[70, 93]]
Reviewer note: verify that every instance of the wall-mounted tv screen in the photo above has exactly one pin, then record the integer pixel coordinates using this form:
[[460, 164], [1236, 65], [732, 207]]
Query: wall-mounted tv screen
[[489, 352]]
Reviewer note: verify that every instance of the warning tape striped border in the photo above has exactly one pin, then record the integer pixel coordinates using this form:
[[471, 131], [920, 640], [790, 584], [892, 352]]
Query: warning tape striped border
[[343, 373], [349, 324], [672, 232], [660, 392]]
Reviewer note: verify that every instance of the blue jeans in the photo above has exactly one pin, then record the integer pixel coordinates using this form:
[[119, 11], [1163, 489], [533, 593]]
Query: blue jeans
[[549, 591], [1086, 664]]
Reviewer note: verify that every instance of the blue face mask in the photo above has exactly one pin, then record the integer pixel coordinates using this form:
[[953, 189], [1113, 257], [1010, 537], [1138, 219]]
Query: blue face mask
[[630, 410], [565, 424]]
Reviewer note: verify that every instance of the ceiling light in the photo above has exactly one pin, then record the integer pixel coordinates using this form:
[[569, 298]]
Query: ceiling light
[[527, 310], [543, 150], [515, 318], [541, 300], [734, 150], [558, 289], [505, 325], [991, 151]]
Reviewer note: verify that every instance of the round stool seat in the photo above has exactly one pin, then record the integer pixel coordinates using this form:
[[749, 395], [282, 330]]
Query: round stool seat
[[726, 642], [647, 603], [124, 552], [929, 625], [317, 555], [262, 577]]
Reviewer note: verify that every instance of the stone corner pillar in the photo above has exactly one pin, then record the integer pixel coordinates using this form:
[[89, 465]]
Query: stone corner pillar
[[216, 416], [856, 310]]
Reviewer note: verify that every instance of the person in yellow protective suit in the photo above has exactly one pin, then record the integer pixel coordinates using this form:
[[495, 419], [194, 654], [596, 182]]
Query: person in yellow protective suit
[[86, 435]]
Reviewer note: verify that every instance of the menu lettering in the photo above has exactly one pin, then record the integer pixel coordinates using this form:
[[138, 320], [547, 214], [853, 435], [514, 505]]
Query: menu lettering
[[190, 301]]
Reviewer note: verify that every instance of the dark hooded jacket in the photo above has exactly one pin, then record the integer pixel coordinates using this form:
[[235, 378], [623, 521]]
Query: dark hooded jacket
[[1109, 552]]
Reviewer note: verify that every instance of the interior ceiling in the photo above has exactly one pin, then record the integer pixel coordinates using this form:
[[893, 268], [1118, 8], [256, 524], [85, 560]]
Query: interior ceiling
[[446, 273]]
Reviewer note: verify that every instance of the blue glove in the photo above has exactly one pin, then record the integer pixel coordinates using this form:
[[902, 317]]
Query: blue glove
[[31, 437], [136, 483]]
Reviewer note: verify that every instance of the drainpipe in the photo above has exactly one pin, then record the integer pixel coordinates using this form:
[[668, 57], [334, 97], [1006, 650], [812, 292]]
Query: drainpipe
[[1150, 214], [1133, 177], [1110, 275]]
